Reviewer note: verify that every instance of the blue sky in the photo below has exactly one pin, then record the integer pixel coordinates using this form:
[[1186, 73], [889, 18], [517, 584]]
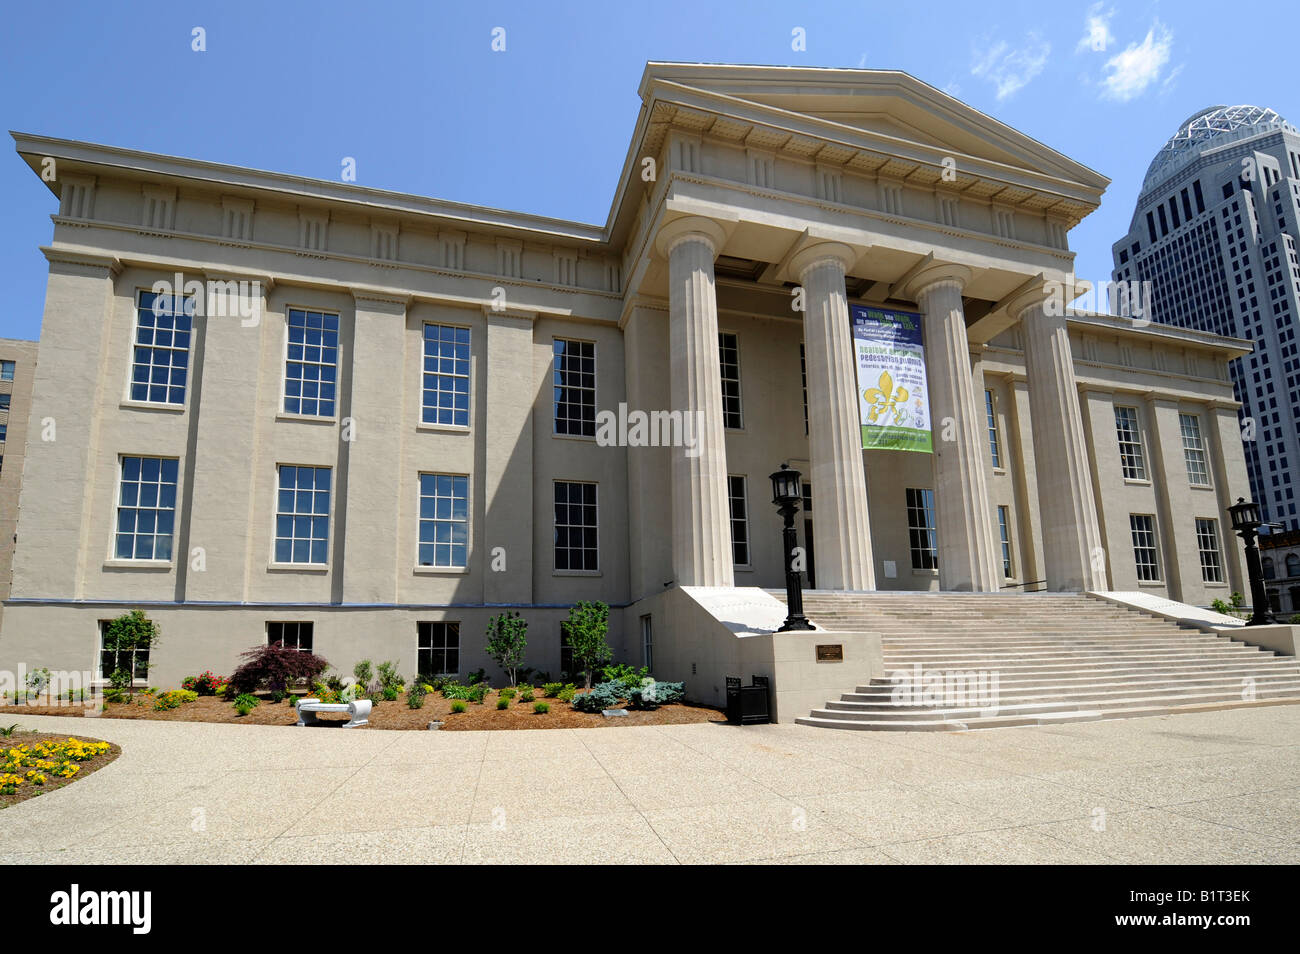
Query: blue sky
[[416, 94]]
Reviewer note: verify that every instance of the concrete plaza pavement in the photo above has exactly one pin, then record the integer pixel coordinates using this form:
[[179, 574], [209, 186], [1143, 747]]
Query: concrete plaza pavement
[[1210, 787]]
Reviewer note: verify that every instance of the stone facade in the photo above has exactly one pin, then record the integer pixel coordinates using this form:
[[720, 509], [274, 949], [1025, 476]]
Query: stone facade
[[746, 190], [17, 369]]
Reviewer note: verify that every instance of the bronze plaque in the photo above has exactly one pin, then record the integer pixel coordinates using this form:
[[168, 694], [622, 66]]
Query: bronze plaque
[[830, 652]]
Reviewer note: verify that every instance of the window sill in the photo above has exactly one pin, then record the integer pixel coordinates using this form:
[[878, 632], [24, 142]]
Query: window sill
[[440, 570], [1151, 583], [591, 439], [999, 471], [443, 428], [1214, 586], [577, 573], [298, 567], [934, 574], [305, 418], [1137, 481], [151, 406], [138, 564], [1201, 486], [742, 568]]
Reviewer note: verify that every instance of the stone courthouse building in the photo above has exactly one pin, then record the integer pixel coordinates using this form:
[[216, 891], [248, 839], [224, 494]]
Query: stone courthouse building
[[362, 421]]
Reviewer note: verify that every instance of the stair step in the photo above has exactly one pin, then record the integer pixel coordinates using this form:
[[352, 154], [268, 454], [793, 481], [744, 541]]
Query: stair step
[[1058, 658]]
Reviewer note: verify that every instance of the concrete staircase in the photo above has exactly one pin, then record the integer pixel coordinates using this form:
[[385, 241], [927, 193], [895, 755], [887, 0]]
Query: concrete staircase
[[1035, 659]]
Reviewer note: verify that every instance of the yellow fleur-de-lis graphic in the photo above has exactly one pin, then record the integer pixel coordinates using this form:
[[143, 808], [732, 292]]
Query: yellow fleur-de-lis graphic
[[885, 399]]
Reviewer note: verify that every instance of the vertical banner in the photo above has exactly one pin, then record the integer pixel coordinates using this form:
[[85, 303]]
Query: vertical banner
[[893, 399]]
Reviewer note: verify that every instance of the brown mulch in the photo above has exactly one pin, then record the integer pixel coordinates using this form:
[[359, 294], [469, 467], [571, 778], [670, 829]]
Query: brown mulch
[[397, 715], [52, 784]]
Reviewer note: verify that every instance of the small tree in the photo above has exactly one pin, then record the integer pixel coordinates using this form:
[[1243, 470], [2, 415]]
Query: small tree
[[585, 629], [275, 667], [507, 640], [126, 637]]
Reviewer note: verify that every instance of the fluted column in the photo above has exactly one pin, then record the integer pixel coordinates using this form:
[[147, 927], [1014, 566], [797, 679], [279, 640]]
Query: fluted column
[[843, 542], [1073, 556], [968, 558], [701, 529]]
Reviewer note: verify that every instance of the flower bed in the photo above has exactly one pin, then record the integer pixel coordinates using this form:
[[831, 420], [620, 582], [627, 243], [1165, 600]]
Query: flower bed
[[41, 763]]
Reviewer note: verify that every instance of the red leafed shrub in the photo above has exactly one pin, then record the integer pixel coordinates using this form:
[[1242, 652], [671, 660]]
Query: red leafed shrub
[[274, 668]]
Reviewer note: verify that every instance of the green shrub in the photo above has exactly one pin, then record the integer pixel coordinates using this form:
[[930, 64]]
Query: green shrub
[[541, 708], [459, 706], [605, 695], [363, 672], [653, 694], [477, 676], [551, 689], [567, 693], [628, 676], [503, 704], [526, 696], [454, 690], [245, 703], [174, 699], [390, 680], [506, 693], [478, 691]]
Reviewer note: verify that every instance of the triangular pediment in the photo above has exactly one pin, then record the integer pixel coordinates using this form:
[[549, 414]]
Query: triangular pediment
[[886, 106]]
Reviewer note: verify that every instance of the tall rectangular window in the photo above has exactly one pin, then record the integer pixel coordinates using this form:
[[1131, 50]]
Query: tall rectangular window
[[446, 376], [920, 529], [647, 644], [311, 363], [1004, 535], [146, 508], [995, 446], [576, 527], [1207, 542], [575, 387], [302, 515], [444, 520], [4, 402], [4, 433], [6, 370], [1198, 473], [739, 520], [161, 357], [729, 360], [1130, 443], [1143, 528], [437, 650], [291, 634], [135, 661]]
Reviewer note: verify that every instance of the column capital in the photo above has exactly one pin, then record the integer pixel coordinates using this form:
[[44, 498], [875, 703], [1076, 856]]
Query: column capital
[[937, 274], [819, 254], [1034, 296], [379, 300], [691, 228], [59, 256]]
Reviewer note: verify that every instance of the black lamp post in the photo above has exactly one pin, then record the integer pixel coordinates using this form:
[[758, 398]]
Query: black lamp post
[[1245, 520], [787, 492]]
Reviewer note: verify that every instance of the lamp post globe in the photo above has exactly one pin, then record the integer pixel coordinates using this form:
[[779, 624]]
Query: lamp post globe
[[787, 492]]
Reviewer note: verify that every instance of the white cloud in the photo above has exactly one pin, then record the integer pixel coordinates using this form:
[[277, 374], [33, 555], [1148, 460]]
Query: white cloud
[[862, 61], [1011, 69], [1132, 71], [1096, 30]]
